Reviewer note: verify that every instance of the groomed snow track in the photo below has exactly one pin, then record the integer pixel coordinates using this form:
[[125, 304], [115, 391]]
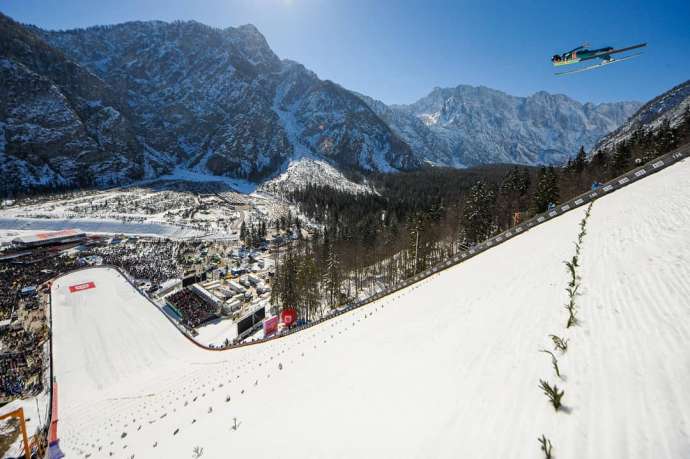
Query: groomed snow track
[[447, 371]]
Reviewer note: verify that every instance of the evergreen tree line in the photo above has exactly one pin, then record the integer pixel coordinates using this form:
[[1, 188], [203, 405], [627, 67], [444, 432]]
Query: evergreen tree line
[[254, 234], [418, 219]]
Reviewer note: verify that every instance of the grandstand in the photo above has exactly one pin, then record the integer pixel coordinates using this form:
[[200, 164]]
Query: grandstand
[[194, 307], [49, 238]]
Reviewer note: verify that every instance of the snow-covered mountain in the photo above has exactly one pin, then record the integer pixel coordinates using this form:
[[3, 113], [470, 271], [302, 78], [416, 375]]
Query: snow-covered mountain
[[315, 172], [469, 125], [137, 99], [56, 117], [223, 102], [673, 106], [112, 104]]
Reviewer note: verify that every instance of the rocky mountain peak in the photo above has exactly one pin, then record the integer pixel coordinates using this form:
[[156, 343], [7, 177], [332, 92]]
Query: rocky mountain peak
[[467, 125], [671, 108]]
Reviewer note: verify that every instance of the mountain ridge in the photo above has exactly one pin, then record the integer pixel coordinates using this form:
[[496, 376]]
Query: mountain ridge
[[147, 97], [471, 125], [669, 108]]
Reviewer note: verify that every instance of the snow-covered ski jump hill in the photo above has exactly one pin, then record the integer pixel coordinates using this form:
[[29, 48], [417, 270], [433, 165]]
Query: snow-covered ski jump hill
[[447, 368]]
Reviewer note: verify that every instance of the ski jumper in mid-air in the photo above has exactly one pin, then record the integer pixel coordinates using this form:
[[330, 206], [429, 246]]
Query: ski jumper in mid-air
[[582, 53]]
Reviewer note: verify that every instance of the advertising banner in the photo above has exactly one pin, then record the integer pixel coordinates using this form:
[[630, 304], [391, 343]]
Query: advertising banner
[[289, 316], [80, 287], [270, 326]]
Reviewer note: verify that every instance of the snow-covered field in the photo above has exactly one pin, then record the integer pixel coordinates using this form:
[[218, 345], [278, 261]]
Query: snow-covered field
[[11, 228], [446, 368], [171, 209]]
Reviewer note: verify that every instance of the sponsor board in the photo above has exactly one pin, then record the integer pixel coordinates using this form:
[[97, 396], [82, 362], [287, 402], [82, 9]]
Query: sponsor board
[[289, 315], [80, 287], [270, 326], [55, 234]]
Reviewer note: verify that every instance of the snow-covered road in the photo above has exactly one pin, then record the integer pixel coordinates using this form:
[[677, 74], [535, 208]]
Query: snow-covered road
[[448, 367]]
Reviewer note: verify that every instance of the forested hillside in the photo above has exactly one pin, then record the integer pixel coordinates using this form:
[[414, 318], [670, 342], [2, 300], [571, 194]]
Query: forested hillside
[[420, 218]]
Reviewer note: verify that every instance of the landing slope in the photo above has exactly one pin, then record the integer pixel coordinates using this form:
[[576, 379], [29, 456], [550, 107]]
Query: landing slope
[[446, 368]]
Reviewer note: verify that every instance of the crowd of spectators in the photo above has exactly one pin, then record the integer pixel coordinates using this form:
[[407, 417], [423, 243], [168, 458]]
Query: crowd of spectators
[[194, 310], [21, 350], [21, 340], [24, 272], [153, 260], [20, 368]]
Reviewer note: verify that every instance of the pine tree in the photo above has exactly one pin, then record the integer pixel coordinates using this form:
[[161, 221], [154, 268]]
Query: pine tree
[[621, 159], [511, 181], [684, 127], [289, 294], [332, 278], [477, 216], [547, 189], [243, 232], [666, 137], [309, 292], [524, 182], [580, 161]]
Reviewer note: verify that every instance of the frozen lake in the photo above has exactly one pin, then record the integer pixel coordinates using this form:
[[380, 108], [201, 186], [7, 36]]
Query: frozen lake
[[97, 226]]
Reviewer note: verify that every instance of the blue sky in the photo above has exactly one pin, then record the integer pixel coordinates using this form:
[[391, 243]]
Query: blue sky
[[398, 51]]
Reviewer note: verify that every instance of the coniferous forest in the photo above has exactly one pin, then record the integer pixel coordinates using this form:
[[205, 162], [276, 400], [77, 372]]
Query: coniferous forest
[[414, 220]]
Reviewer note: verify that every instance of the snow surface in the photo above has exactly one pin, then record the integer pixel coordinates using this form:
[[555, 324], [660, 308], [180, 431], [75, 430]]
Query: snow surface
[[104, 226], [448, 367], [307, 170], [242, 186], [216, 332]]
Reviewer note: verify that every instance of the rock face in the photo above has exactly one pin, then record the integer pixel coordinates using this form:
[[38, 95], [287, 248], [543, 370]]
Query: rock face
[[59, 123], [117, 103], [112, 104], [670, 107], [468, 125], [221, 101]]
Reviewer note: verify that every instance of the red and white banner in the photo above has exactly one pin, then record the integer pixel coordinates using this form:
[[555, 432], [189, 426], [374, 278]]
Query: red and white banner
[[80, 287], [289, 316], [270, 326], [54, 234]]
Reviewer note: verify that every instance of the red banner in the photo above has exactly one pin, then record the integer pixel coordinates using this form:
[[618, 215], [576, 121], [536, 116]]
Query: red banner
[[52, 234], [289, 316], [52, 432], [270, 326], [80, 287]]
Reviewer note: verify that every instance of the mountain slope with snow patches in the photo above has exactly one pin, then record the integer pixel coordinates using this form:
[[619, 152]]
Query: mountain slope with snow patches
[[671, 107], [110, 104], [469, 125], [59, 123], [448, 367], [221, 101]]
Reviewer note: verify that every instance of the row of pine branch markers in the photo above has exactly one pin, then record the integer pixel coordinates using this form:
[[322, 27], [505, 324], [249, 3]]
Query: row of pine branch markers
[[560, 343]]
